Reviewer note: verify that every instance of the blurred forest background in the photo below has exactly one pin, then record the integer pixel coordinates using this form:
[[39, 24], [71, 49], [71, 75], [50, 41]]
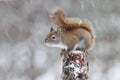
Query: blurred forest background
[[24, 25]]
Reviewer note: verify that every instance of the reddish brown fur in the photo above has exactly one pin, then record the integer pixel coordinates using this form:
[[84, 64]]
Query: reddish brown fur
[[71, 38], [69, 23], [72, 30]]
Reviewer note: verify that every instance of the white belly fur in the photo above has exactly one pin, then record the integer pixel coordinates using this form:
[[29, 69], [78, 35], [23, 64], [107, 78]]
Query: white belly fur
[[60, 45]]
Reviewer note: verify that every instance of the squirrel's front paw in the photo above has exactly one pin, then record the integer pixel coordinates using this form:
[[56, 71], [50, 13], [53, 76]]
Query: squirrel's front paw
[[80, 49], [63, 52]]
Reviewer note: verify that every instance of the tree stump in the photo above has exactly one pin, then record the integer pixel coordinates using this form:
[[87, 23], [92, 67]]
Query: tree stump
[[75, 66]]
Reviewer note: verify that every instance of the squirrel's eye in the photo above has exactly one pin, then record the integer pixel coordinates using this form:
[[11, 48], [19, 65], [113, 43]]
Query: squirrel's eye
[[53, 37]]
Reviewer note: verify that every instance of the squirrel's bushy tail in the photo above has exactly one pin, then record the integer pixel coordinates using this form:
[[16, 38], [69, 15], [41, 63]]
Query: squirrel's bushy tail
[[58, 17], [88, 26]]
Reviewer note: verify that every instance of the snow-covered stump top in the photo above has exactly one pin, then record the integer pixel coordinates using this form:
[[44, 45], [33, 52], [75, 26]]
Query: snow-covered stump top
[[75, 66]]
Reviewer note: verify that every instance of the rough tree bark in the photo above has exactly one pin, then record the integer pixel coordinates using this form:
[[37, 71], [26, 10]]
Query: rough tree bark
[[75, 66]]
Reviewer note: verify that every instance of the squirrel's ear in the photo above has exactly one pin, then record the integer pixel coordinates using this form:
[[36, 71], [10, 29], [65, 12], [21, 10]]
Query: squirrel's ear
[[51, 29], [58, 30]]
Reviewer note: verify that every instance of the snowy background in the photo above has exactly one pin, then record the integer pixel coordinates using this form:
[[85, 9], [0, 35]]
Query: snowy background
[[24, 25]]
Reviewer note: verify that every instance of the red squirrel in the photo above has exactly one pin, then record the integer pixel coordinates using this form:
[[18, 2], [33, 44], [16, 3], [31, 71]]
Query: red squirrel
[[72, 33]]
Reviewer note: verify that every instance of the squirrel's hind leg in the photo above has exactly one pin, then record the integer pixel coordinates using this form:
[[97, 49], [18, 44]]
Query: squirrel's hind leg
[[80, 45]]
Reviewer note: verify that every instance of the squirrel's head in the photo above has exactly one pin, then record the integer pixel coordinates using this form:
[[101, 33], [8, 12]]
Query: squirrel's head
[[53, 39]]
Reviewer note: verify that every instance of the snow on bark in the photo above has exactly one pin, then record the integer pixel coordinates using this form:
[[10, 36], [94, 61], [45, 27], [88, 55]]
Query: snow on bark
[[75, 66]]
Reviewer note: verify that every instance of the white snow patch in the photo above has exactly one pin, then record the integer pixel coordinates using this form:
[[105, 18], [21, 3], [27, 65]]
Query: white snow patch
[[77, 61], [72, 66], [83, 69], [77, 69], [76, 52]]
